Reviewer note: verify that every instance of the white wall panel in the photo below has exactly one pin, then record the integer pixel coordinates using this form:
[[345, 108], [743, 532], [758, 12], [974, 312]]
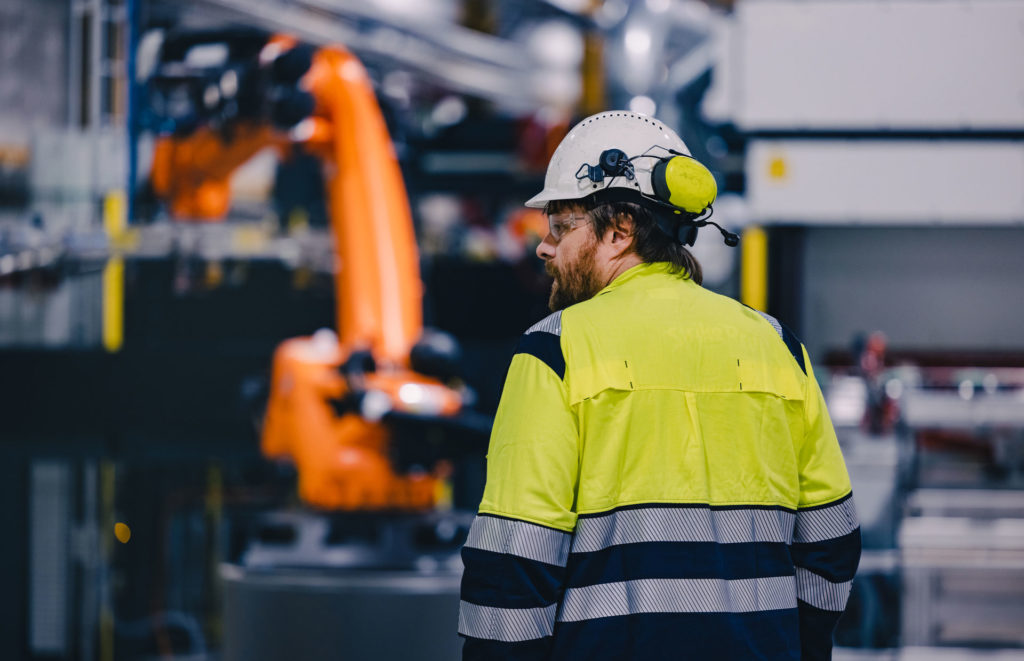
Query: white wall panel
[[888, 182], [947, 288], [874, 64]]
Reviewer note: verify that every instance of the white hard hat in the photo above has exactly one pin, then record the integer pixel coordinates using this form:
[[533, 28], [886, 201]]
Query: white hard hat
[[568, 176]]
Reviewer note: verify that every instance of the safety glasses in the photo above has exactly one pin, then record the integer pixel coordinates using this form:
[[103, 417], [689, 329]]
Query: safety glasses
[[560, 224]]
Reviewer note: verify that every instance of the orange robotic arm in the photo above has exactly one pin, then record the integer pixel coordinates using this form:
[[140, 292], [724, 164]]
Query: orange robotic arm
[[378, 285], [193, 173], [341, 457]]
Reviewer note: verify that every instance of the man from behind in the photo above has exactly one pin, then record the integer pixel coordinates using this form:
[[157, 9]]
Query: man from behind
[[663, 478]]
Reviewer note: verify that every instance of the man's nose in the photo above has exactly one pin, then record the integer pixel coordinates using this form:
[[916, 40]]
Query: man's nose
[[546, 248]]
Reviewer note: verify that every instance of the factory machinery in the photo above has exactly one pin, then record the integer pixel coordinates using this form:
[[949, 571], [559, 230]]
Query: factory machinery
[[936, 457], [961, 539]]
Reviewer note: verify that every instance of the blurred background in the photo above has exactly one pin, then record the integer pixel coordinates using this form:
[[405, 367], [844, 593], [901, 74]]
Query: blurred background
[[234, 425]]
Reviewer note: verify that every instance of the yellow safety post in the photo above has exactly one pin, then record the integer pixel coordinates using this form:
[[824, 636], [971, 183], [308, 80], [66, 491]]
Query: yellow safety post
[[114, 223], [754, 268], [594, 97]]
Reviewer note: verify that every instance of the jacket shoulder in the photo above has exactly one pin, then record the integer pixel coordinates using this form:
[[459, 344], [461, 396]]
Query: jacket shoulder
[[550, 324], [787, 336], [543, 341]]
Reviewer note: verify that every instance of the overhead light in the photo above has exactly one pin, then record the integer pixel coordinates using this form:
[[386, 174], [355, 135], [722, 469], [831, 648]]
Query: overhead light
[[611, 13], [643, 105], [554, 43], [638, 40]]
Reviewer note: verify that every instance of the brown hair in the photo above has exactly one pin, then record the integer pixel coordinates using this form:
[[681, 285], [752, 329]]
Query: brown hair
[[650, 243]]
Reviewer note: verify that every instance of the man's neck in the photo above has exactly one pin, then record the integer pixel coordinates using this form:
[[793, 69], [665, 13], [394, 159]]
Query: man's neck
[[620, 266]]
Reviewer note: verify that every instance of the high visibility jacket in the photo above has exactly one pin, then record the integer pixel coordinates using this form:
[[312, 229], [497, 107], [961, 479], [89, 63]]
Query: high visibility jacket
[[663, 482]]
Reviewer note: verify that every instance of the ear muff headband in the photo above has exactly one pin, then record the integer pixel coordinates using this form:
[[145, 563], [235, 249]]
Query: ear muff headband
[[684, 183]]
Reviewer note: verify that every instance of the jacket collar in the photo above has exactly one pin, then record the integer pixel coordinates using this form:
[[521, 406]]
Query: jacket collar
[[636, 272]]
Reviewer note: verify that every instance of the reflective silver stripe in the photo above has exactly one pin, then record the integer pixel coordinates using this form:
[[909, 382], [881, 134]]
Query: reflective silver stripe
[[509, 625], [678, 595], [821, 592], [682, 524], [826, 523], [519, 538], [773, 321], [549, 324]]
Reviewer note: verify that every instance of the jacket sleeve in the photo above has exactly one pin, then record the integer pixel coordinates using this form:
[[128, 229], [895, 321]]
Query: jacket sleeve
[[518, 545], [826, 538]]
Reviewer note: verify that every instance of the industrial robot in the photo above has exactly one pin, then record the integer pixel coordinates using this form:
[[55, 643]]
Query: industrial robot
[[215, 99]]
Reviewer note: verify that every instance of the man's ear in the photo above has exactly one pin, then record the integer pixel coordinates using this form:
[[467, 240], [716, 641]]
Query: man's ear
[[620, 234]]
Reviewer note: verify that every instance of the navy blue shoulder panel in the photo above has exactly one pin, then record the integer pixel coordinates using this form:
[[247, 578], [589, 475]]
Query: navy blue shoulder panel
[[546, 347], [794, 346], [788, 337]]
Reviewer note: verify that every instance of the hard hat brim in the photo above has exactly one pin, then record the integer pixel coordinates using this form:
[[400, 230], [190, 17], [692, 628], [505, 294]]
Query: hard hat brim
[[540, 200]]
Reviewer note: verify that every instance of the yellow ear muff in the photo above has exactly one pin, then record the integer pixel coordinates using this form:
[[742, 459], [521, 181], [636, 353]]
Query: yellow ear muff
[[684, 183]]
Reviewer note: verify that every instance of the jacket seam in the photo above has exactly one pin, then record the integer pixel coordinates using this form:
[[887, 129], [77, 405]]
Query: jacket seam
[[827, 503], [655, 503], [519, 517]]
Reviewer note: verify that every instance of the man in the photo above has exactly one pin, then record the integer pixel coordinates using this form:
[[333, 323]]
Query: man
[[663, 479]]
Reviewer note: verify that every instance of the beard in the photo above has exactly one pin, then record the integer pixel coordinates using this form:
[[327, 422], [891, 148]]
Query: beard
[[576, 282]]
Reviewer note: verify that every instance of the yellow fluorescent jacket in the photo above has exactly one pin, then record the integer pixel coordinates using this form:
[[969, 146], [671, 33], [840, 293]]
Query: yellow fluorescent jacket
[[657, 392]]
